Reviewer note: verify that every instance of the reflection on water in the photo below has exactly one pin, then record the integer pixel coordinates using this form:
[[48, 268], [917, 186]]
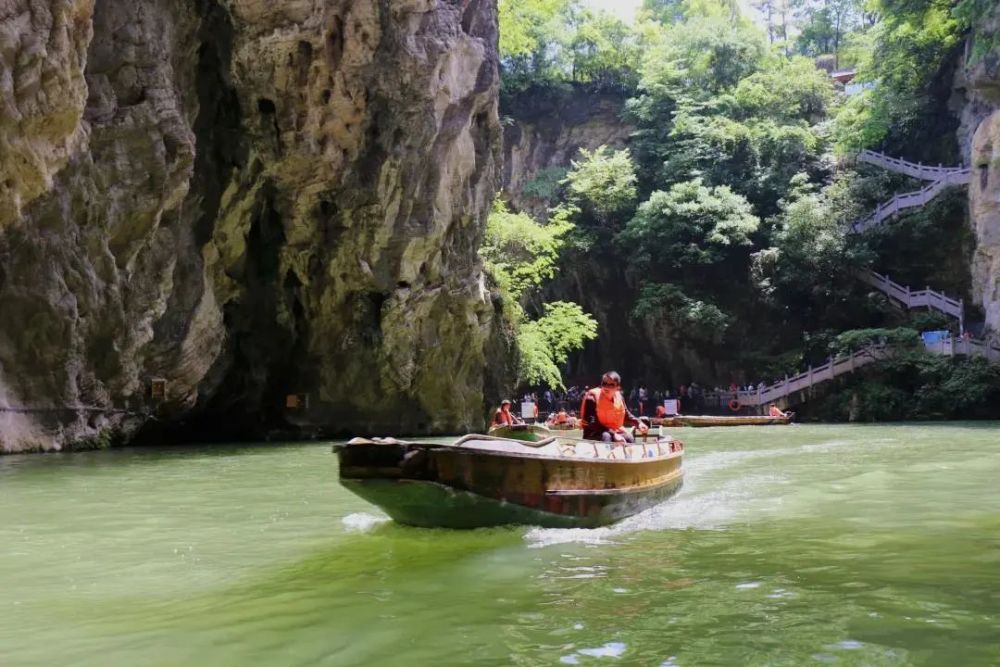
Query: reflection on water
[[787, 546]]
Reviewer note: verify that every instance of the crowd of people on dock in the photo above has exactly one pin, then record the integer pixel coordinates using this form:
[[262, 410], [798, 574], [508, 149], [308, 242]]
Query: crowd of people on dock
[[640, 399], [604, 410]]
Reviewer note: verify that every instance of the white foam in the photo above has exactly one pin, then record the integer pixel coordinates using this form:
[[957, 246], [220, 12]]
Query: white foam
[[362, 522], [714, 508], [609, 650]]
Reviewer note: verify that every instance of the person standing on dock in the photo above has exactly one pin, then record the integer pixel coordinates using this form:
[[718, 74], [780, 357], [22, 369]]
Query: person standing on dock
[[603, 412]]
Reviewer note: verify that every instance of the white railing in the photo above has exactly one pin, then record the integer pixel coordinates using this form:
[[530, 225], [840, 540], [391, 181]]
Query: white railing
[[961, 346], [926, 298], [811, 377], [901, 202], [924, 172], [940, 177], [970, 347]]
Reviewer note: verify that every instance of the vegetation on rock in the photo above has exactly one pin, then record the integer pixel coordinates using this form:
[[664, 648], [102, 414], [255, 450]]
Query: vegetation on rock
[[724, 227], [521, 256]]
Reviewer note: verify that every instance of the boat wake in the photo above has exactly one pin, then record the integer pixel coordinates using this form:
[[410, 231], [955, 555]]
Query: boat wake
[[362, 522], [704, 503]]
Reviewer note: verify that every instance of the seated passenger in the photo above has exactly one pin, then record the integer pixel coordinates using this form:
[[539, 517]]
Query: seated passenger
[[775, 411], [504, 417], [604, 414], [557, 418]]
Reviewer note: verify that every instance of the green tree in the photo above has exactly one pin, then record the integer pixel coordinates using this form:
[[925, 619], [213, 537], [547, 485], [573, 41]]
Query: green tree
[[812, 261], [603, 181], [910, 45], [521, 255], [547, 341], [691, 224], [683, 316]]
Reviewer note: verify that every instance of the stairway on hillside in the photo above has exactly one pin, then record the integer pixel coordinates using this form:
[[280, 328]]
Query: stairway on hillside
[[835, 367], [926, 298], [940, 178]]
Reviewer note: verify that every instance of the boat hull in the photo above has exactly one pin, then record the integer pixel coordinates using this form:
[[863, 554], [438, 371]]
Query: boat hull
[[712, 420], [433, 505], [454, 487]]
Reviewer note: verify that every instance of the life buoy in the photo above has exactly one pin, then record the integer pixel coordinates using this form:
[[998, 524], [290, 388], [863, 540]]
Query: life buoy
[[735, 405]]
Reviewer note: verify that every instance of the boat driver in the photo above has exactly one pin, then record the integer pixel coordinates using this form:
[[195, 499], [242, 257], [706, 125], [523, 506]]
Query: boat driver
[[603, 412]]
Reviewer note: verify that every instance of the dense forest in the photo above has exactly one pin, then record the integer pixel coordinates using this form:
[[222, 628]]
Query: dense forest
[[715, 244]]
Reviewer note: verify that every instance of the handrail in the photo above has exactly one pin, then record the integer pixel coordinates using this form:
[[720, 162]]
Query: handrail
[[833, 368], [940, 177], [914, 169], [964, 346], [900, 202], [811, 377], [916, 298]]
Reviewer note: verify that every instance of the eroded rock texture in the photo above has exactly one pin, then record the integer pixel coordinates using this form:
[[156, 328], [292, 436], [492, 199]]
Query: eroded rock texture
[[246, 199], [545, 134], [980, 138]]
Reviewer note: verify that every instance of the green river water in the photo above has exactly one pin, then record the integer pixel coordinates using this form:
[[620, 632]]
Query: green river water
[[839, 545]]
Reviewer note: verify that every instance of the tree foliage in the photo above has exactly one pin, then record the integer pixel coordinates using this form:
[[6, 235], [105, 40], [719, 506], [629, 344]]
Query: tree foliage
[[519, 252], [910, 46], [548, 42], [683, 316], [547, 341], [603, 181], [725, 221], [521, 255], [690, 224]]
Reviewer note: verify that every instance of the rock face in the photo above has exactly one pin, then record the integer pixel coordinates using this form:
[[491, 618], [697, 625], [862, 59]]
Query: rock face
[[209, 205], [980, 138], [545, 134]]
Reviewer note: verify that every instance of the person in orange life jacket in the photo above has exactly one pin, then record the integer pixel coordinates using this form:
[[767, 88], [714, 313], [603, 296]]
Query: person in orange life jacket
[[603, 412], [557, 418], [504, 417], [661, 411], [775, 411]]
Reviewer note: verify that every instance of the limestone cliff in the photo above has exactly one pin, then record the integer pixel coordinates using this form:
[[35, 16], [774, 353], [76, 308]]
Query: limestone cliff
[[545, 132], [979, 137], [233, 201]]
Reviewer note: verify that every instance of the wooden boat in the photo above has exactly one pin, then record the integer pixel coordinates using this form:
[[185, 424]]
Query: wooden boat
[[525, 432], [722, 420], [481, 480], [535, 432]]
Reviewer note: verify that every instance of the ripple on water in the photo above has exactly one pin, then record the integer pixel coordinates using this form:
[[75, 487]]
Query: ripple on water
[[609, 650]]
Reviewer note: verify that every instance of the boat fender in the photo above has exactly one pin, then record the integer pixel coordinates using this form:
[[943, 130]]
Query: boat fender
[[735, 405]]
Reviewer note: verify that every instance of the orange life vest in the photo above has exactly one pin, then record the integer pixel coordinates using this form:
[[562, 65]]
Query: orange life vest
[[503, 417], [561, 418], [610, 412]]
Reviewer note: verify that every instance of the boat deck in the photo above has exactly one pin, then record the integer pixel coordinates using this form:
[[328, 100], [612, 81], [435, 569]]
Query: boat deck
[[572, 448]]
